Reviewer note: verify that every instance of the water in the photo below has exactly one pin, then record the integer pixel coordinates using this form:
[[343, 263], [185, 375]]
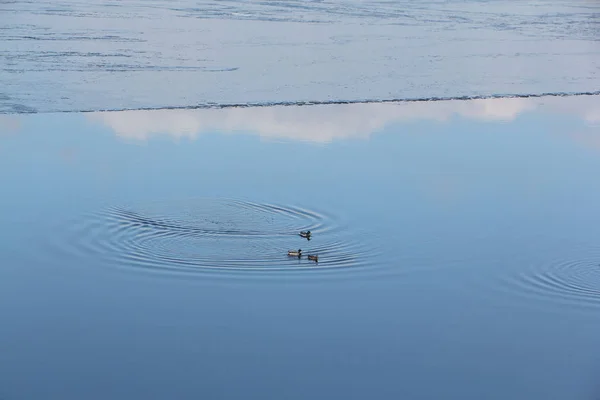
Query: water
[[144, 253], [108, 55], [212, 234]]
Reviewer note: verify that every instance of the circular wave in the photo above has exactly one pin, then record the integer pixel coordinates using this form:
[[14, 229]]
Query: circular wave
[[208, 235], [571, 281]]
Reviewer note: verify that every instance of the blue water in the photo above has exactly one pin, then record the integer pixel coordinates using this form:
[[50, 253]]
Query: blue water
[[144, 253], [448, 174], [108, 55]]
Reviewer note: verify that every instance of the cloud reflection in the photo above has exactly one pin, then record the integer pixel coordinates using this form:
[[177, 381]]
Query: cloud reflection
[[326, 123], [9, 124]]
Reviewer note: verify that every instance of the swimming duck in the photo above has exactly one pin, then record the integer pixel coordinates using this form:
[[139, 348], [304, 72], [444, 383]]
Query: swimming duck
[[313, 258], [294, 253], [305, 234]]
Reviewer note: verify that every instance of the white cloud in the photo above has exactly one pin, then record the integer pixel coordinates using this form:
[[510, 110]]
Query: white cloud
[[9, 124], [325, 123], [584, 107]]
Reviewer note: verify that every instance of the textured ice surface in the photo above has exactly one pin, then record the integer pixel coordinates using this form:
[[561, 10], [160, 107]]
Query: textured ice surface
[[97, 55]]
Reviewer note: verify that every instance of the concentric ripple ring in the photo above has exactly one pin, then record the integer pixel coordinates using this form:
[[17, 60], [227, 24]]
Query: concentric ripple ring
[[571, 280], [212, 234]]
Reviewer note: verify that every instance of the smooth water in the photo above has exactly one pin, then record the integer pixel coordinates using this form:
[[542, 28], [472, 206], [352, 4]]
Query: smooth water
[[128, 54], [144, 253]]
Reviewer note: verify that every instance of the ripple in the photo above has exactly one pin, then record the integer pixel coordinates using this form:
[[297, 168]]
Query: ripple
[[211, 235], [569, 281]]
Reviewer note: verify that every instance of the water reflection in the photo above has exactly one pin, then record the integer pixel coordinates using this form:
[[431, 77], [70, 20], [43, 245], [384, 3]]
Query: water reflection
[[9, 124], [441, 246], [326, 123], [210, 235]]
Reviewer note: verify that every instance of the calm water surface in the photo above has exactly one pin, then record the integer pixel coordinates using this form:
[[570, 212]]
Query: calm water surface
[[144, 253]]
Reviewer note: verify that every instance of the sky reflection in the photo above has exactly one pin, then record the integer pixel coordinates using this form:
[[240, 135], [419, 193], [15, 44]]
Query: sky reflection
[[327, 123], [9, 124], [484, 229]]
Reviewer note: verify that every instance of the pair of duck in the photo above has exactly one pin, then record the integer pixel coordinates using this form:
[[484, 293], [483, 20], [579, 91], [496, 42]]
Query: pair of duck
[[298, 253]]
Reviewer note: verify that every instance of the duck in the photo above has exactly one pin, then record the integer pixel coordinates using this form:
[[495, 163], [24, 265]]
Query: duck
[[305, 234], [295, 253], [314, 258]]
